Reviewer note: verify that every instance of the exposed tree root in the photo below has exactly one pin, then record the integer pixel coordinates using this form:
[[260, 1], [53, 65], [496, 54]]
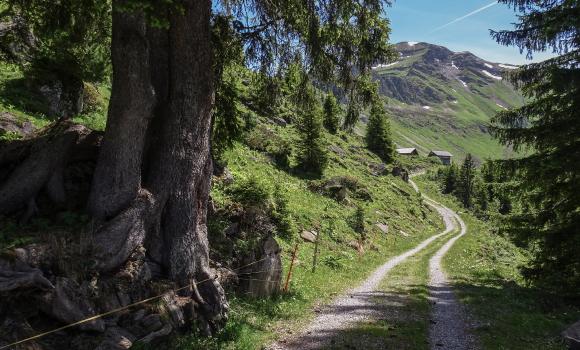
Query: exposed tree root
[[116, 240], [38, 164]]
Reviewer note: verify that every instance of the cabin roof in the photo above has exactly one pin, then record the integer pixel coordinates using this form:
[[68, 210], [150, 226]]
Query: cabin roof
[[441, 153], [406, 150]]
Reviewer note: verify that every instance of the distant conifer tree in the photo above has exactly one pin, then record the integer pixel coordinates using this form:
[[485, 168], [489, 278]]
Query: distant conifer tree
[[465, 183], [378, 136], [450, 179], [331, 113], [312, 154]]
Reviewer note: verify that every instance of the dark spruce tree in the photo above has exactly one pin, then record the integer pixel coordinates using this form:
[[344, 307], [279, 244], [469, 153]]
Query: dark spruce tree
[[547, 129], [378, 135], [450, 175], [153, 172], [332, 112], [312, 153], [351, 118], [465, 182]]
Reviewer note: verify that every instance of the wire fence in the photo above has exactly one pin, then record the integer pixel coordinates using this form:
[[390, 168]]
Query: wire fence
[[144, 301]]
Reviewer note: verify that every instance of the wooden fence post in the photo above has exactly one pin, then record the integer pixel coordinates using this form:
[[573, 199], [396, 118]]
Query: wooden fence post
[[290, 268], [315, 257]]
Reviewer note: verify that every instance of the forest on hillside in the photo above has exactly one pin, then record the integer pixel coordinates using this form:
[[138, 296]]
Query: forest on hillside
[[163, 163]]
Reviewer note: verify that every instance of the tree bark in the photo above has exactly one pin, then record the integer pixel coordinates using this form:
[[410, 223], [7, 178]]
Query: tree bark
[[117, 178]]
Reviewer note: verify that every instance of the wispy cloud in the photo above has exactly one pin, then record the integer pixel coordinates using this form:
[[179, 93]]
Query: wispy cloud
[[464, 17]]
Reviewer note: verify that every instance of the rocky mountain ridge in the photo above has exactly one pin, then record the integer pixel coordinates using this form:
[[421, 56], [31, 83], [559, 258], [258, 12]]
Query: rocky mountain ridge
[[444, 99]]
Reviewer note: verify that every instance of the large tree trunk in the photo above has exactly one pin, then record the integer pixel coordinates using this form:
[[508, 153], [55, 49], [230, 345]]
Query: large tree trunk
[[117, 178], [151, 184], [153, 178]]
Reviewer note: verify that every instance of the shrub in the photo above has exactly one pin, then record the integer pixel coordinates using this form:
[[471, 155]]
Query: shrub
[[358, 221], [92, 99], [264, 139], [251, 192]]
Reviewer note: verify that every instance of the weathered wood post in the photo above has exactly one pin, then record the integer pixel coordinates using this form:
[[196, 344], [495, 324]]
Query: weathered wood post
[[315, 257], [290, 268]]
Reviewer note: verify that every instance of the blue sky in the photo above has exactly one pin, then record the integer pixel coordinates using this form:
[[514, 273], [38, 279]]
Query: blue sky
[[416, 20]]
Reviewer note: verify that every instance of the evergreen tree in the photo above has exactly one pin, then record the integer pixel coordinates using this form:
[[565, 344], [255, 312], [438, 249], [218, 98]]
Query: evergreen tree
[[331, 113], [480, 197], [450, 179], [227, 122], [548, 128], [312, 154], [378, 136], [465, 183], [351, 118]]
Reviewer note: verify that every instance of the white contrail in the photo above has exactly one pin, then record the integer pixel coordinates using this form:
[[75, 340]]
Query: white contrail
[[464, 17]]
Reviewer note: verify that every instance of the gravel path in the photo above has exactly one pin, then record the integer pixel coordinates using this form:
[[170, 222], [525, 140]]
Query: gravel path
[[355, 306], [450, 325]]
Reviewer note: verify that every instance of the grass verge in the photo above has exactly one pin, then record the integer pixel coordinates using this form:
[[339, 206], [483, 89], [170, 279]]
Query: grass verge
[[484, 268]]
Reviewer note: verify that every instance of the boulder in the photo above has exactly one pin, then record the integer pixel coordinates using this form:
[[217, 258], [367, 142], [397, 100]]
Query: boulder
[[16, 39], [263, 277], [10, 124], [280, 121], [308, 236], [227, 178], [383, 227], [572, 336], [341, 194], [63, 100], [339, 151], [378, 169], [401, 172], [356, 245]]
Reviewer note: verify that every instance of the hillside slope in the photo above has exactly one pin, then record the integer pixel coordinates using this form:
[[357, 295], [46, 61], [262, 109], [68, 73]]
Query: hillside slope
[[440, 99]]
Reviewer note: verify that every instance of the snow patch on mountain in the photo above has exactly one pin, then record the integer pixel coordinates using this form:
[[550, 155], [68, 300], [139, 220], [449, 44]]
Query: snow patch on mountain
[[384, 65], [488, 65], [500, 106], [462, 82], [412, 43], [453, 65], [491, 75], [507, 66], [426, 107]]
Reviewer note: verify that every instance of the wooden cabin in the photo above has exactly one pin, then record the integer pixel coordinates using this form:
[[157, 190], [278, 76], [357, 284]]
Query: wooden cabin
[[407, 151], [444, 156]]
